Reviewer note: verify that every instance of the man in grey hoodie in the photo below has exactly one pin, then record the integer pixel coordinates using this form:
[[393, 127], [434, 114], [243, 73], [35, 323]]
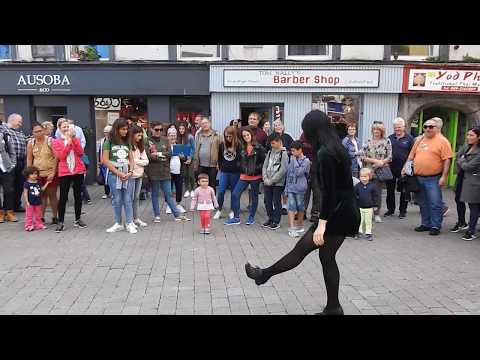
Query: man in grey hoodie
[[274, 173]]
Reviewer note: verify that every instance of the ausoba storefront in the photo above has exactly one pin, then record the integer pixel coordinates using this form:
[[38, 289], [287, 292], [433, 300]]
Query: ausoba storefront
[[362, 92], [94, 94]]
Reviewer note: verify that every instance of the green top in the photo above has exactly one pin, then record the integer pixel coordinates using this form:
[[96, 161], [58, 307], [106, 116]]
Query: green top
[[118, 153]]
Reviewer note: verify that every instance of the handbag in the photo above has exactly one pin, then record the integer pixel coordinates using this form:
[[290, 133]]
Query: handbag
[[411, 184], [384, 173], [101, 176]]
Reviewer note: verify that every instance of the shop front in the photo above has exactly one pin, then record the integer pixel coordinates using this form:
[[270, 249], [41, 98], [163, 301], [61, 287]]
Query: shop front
[[356, 93], [449, 92], [94, 95]]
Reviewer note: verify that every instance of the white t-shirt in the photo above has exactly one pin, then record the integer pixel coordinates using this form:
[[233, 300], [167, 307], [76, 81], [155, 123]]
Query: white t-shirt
[[175, 164]]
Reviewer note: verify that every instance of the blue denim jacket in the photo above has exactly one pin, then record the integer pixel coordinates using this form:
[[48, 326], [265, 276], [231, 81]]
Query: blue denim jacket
[[348, 144]]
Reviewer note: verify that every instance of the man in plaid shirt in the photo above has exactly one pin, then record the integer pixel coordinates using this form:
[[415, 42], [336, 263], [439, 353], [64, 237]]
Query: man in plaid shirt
[[19, 144]]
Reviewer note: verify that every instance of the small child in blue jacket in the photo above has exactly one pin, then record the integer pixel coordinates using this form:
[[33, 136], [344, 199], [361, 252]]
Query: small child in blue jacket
[[367, 195]]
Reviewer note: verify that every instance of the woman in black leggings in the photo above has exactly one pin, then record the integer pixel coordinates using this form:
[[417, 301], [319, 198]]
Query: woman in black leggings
[[339, 215], [71, 171]]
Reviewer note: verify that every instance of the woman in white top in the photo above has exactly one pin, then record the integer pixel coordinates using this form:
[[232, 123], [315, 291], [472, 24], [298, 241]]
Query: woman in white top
[[175, 171], [140, 159]]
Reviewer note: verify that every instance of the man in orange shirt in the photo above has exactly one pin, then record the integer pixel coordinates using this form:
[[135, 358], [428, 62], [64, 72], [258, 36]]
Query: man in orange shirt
[[431, 155]]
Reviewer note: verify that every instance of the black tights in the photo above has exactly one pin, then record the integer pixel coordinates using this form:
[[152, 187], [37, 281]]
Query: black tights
[[327, 253], [65, 182]]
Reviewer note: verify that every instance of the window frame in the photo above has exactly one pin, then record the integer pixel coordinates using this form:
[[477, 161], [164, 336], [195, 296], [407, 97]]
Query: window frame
[[55, 53], [11, 54], [328, 56], [68, 53], [433, 51], [217, 58]]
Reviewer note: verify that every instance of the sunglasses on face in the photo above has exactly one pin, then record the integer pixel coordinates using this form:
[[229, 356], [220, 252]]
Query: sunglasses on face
[[157, 129], [428, 126]]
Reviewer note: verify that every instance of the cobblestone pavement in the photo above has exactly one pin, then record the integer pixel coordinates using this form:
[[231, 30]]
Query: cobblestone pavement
[[170, 268]]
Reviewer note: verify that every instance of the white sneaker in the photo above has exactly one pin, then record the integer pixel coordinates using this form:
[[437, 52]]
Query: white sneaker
[[116, 227], [187, 194], [104, 196], [378, 219], [168, 210], [182, 218], [217, 215], [140, 222], [231, 214], [136, 226], [292, 233], [181, 209], [299, 230], [131, 228], [157, 219]]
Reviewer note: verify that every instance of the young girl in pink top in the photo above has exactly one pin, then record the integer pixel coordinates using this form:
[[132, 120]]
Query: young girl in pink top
[[205, 201]]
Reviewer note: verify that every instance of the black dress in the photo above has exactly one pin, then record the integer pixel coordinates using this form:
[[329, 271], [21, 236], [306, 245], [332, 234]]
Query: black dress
[[339, 205]]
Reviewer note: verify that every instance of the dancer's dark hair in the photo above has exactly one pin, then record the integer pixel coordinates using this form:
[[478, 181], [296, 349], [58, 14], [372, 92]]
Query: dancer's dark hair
[[320, 132]]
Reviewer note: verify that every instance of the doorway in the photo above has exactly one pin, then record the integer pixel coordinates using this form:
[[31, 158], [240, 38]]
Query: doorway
[[50, 113], [268, 112], [455, 126]]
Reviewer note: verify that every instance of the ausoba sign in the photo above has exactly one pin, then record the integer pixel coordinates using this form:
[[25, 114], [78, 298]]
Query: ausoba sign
[[301, 78]]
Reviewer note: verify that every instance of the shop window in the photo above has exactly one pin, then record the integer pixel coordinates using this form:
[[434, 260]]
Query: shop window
[[2, 111], [45, 52], [414, 52], [90, 52], [269, 112], [5, 52], [308, 52], [341, 109], [199, 52], [108, 109]]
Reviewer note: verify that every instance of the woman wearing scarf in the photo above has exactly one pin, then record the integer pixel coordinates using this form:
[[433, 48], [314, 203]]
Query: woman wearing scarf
[[71, 171]]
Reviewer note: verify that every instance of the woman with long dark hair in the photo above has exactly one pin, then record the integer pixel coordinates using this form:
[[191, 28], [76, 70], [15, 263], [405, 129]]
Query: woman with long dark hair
[[468, 162], [339, 215], [140, 160], [252, 157], [229, 166], [184, 137], [118, 158]]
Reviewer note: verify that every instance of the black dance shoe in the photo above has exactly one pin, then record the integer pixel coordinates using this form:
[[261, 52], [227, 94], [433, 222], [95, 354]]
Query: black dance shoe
[[255, 273], [335, 311]]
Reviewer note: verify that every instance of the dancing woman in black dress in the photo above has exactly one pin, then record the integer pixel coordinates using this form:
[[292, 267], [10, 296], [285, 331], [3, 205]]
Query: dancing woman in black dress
[[339, 216]]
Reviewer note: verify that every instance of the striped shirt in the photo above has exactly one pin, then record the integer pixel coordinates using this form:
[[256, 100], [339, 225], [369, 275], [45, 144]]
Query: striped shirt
[[18, 141]]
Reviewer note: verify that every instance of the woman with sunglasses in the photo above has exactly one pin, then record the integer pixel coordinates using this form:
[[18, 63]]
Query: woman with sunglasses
[[158, 171], [229, 166]]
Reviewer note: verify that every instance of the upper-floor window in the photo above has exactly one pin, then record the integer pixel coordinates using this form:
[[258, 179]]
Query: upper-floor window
[[5, 52], [90, 52], [199, 52], [45, 52], [306, 52], [414, 52]]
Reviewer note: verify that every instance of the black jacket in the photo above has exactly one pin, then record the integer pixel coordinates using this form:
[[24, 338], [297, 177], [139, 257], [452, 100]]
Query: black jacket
[[229, 166], [338, 204], [252, 164], [367, 195]]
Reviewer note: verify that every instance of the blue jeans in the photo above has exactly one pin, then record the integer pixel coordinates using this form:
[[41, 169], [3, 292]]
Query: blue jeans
[[237, 193], [121, 198], [166, 187], [227, 180], [429, 199]]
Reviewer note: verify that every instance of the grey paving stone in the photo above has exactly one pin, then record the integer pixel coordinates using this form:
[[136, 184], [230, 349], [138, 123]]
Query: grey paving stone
[[169, 268]]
